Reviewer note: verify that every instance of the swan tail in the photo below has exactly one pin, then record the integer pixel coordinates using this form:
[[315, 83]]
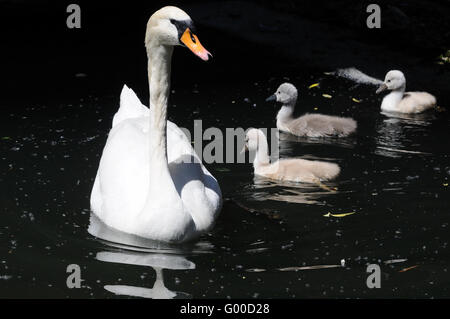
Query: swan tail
[[130, 106]]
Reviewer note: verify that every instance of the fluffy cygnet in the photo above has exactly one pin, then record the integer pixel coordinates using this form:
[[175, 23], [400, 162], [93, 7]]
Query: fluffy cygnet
[[312, 125], [400, 101], [294, 170]]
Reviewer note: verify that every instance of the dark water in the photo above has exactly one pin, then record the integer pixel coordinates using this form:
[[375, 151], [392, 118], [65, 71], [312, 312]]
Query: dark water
[[271, 240]]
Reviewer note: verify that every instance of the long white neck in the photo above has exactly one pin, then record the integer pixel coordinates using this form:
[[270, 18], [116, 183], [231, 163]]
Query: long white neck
[[262, 153], [391, 101], [159, 64], [285, 113], [159, 67]]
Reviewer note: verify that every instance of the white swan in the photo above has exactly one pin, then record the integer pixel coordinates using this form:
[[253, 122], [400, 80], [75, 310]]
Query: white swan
[[401, 102], [150, 182], [294, 169], [311, 125]]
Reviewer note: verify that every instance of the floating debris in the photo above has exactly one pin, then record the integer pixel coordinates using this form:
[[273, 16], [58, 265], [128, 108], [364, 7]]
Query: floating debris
[[328, 96], [402, 151], [338, 215], [256, 250], [408, 268], [313, 85], [394, 261], [444, 58], [255, 270], [440, 108], [356, 100], [309, 267]]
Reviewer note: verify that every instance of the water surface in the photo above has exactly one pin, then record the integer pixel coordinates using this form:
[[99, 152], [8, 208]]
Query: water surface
[[272, 239]]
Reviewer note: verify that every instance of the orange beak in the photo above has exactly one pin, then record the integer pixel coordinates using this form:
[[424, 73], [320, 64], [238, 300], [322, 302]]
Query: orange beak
[[191, 41]]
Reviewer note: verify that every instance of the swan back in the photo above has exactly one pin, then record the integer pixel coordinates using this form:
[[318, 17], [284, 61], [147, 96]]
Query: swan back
[[416, 102], [320, 125], [300, 170]]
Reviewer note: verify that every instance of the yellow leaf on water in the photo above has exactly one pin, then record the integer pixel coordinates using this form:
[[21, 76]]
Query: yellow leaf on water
[[356, 100], [338, 215], [313, 85], [328, 96]]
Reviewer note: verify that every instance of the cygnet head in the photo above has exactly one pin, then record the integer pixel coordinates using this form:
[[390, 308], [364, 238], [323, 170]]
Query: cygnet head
[[285, 94], [253, 138], [171, 26], [394, 80]]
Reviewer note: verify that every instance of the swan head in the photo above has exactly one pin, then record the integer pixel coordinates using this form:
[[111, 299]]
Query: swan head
[[171, 26], [253, 138], [285, 94], [394, 80]]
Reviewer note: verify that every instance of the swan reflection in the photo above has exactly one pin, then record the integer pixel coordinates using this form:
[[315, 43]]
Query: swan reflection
[[156, 261], [133, 250], [395, 133], [264, 189], [289, 141]]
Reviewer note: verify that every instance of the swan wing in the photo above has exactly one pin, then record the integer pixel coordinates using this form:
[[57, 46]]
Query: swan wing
[[318, 125], [121, 186], [416, 102], [130, 106]]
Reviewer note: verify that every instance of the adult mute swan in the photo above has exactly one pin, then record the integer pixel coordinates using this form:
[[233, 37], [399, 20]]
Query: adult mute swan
[[150, 182], [311, 125], [401, 102], [294, 169]]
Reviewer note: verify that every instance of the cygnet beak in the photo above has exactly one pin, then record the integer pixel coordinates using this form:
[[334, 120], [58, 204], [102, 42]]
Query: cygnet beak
[[271, 98]]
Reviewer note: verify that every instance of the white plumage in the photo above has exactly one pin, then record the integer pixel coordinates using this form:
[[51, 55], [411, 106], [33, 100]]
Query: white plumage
[[400, 101], [150, 182]]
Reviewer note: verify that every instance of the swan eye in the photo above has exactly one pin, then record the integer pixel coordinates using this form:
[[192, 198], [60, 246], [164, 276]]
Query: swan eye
[[192, 37]]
